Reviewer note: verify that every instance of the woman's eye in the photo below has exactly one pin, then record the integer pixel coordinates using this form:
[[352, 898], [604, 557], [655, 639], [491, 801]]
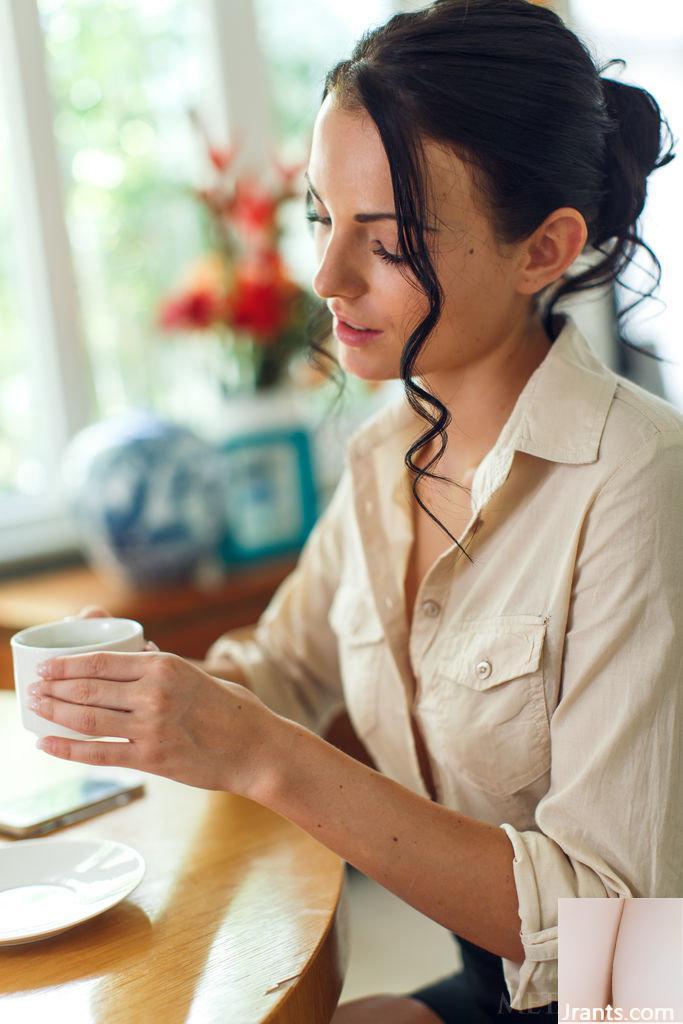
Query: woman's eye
[[314, 218], [311, 216], [389, 257]]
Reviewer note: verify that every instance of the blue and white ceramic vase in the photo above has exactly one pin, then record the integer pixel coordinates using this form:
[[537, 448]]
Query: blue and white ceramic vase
[[146, 497]]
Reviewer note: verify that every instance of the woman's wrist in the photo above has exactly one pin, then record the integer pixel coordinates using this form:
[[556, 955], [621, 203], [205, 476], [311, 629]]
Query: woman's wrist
[[277, 740], [254, 766]]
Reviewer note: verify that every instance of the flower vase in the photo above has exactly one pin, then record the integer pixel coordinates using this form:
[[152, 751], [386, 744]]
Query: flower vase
[[238, 368]]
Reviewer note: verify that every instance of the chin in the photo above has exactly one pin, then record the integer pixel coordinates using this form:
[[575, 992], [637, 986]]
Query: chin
[[360, 363]]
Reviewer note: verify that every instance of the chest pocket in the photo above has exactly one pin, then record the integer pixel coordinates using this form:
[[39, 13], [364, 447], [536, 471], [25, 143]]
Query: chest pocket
[[490, 702], [361, 645]]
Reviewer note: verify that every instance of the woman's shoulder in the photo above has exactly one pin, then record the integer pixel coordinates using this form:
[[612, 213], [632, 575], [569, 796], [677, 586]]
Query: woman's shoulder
[[638, 419]]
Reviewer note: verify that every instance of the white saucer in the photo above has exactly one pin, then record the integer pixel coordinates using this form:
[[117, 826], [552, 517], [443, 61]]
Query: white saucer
[[49, 885]]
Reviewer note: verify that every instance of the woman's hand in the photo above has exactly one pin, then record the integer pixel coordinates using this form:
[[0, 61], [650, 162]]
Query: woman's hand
[[93, 611], [180, 721]]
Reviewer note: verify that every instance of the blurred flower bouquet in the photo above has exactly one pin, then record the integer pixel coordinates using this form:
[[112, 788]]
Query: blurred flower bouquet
[[241, 290]]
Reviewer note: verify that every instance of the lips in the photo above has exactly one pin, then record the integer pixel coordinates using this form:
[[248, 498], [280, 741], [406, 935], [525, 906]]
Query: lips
[[357, 325], [352, 336]]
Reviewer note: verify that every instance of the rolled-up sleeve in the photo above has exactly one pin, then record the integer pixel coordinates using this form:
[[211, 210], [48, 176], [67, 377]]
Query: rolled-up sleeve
[[291, 661], [611, 822]]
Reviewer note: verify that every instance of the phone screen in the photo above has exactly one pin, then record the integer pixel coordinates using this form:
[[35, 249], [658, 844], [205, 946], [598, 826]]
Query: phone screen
[[63, 804]]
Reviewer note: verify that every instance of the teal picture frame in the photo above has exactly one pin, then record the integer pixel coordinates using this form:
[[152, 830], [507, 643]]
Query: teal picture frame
[[270, 496]]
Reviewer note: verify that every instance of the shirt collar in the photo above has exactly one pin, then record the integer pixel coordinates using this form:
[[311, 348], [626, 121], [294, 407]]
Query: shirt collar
[[559, 415]]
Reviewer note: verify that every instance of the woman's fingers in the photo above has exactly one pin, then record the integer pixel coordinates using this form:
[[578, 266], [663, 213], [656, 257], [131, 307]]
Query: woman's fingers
[[88, 720], [151, 646], [121, 666], [94, 692], [121, 755], [91, 611]]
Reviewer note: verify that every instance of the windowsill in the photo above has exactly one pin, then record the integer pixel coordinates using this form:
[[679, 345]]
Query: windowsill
[[30, 543], [24, 568]]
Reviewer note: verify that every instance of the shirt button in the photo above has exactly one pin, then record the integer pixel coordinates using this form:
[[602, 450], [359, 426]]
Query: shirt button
[[431, 609], [483, 669]]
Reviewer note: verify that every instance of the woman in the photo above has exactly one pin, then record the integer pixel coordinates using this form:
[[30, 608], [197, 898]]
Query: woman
[[507, 642]]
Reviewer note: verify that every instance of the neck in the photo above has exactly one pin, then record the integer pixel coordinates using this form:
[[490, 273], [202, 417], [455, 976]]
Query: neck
[[481, 397]]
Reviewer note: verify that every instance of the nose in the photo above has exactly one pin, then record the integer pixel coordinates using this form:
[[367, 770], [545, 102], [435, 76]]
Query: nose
[[338, 272]]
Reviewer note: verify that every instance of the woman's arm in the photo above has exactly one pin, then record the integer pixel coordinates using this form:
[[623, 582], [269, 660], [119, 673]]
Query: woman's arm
[[340, 733], [611, 821], [453, 869]]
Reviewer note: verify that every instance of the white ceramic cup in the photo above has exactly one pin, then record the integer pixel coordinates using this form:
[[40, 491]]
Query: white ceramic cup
[[67, 636]]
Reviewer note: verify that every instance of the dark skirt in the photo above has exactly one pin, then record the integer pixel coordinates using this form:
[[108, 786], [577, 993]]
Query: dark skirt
[[477, 994]]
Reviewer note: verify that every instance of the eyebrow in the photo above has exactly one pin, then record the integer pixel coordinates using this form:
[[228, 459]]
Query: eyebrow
[[361, 218]]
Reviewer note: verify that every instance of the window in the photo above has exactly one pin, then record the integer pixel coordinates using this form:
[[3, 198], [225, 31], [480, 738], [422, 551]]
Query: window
[[123, 76], [19, 471]]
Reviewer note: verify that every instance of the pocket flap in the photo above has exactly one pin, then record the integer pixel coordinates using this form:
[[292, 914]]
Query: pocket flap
[[484, 654], [353, 616]]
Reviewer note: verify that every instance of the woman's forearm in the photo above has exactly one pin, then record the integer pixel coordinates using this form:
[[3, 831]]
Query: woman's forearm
[[339, 733], [454, 869]]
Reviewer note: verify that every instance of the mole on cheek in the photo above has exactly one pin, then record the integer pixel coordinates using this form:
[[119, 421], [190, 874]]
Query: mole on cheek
[[471, 251]]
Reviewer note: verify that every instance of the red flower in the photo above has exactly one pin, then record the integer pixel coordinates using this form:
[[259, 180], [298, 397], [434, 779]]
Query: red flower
[[288, 174], [222, 156], [253, 209], [195, 309], [262, 293], [257, 307]]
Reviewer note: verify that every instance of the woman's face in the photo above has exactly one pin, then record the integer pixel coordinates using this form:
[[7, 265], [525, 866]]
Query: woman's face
[[349, 171]]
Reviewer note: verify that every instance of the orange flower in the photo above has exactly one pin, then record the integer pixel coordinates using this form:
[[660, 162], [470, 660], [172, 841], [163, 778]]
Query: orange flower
[[211, 273]]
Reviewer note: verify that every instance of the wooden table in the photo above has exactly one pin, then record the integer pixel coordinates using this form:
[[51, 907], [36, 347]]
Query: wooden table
[[241, 916]]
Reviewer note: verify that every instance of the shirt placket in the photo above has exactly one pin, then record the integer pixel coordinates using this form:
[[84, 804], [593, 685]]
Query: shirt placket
[[433, 591], [407, 651]]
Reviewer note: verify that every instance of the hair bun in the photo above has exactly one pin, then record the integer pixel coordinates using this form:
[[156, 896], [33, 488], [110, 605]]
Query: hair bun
[[634, 144]]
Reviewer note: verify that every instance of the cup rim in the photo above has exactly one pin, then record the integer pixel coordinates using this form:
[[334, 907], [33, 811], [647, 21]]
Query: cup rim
[[21, 639]]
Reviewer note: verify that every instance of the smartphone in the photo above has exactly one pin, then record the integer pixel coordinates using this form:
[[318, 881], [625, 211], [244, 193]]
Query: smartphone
[[69, 801]]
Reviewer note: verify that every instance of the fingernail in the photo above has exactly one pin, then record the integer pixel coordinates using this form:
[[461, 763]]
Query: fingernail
[[34, 704], [44, 669], [33, 689]]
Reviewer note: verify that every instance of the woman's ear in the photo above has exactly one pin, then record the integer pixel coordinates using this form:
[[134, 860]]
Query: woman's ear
[[551, 249]]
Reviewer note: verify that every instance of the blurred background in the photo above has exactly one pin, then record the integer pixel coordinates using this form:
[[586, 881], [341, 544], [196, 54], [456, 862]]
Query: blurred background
[[157, 414]]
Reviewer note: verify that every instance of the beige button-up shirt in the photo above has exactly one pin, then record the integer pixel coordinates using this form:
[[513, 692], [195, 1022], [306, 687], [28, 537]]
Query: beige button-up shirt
[[547, 673]]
